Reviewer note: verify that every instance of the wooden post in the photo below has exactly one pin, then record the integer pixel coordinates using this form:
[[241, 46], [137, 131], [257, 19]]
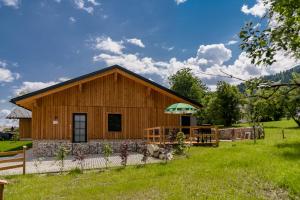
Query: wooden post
[[217, 136], [163, 135], [283, 137], [2, 183], [191, 130], [24, 160], [148, 136], [159, 133], [153, 133]]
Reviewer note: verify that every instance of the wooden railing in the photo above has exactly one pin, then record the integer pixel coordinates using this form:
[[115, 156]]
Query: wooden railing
[[195, 135], [13, 160]]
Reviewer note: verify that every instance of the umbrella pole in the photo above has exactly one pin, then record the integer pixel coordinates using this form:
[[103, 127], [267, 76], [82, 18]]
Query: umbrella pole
[[180, 118]]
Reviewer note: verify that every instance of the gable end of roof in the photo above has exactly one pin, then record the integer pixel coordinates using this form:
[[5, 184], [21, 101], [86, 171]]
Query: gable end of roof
[[14, 100]]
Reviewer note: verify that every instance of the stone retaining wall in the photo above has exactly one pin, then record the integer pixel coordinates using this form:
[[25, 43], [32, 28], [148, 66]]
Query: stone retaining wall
[[48, 148], [239, 133]]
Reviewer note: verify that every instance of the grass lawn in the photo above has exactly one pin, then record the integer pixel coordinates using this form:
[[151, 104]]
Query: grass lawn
[[14, 145], [269, 169]]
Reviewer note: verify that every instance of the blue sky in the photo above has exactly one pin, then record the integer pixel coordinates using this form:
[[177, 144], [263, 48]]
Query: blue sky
[[47, 41]]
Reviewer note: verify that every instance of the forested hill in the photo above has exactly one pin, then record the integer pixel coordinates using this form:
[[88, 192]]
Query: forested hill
[[284, 77]]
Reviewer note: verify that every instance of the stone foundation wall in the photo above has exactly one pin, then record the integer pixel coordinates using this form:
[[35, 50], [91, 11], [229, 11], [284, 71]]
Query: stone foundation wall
[[48, 148], [239, 133]]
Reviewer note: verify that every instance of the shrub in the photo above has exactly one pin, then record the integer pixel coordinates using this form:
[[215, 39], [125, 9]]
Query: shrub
[[60, 157], [171, 136], [37, 162], [145, 153], [15, 137], [124, 153], [75, 171], [79, 157], [180, 147], [107, 151]]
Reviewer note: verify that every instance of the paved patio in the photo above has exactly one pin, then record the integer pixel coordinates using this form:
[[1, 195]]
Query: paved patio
[[48, 165]]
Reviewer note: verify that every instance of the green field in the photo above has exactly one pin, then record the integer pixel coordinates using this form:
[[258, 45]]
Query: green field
[[14, 145], [269, 169]]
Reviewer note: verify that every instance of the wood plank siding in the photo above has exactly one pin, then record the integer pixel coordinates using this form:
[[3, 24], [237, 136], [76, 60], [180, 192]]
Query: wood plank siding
[[113, 90], [25, 128], [139, 108]]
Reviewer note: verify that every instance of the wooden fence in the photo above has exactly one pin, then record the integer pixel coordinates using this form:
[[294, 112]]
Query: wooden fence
[[21, 159], [195, 135]]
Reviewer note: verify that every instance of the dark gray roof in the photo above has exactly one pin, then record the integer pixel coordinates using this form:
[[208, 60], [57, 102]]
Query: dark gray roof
[[19, 113]]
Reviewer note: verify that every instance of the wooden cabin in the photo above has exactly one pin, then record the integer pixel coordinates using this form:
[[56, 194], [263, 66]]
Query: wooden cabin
[[112, 104], [24, 117]]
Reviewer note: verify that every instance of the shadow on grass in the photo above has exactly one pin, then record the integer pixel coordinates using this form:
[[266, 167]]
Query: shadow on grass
[[121, 168], [290, 151], [280, 127]]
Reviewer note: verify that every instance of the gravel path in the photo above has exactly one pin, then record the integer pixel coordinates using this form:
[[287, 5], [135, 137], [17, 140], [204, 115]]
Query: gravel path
[[91, 162]]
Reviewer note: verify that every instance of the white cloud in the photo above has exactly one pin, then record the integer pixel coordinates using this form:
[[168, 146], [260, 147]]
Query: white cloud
[[94, 2], [5, 74], [232, 42], [6, 123], [207, 55], [213, 53], [142, 65], [243, 68], [2, 101], [180, 1], [57, 1], [257, 26], [11, 3], [63, 79], [168, 48], [3, 63], [207, 64], [17, 76], [28, 87], [86, 5], [258, 10], [72, 19], [284, 62], [107, 44], [136, 42]]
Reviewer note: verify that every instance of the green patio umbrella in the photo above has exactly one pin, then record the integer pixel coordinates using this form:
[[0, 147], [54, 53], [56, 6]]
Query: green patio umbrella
[[180, 108]]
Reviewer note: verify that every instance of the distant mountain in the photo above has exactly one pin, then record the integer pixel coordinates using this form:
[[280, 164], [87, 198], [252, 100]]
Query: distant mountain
[[283, 77]]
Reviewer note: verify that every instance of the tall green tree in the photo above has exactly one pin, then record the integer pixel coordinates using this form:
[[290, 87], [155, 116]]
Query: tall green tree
[[224, 106], [187, 84], [269, 108], [279, 31], [292, 99], [204, 116]]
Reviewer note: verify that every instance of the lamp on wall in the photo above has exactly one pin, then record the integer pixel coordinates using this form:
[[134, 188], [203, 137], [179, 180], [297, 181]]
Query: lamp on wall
[[55, 121]]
